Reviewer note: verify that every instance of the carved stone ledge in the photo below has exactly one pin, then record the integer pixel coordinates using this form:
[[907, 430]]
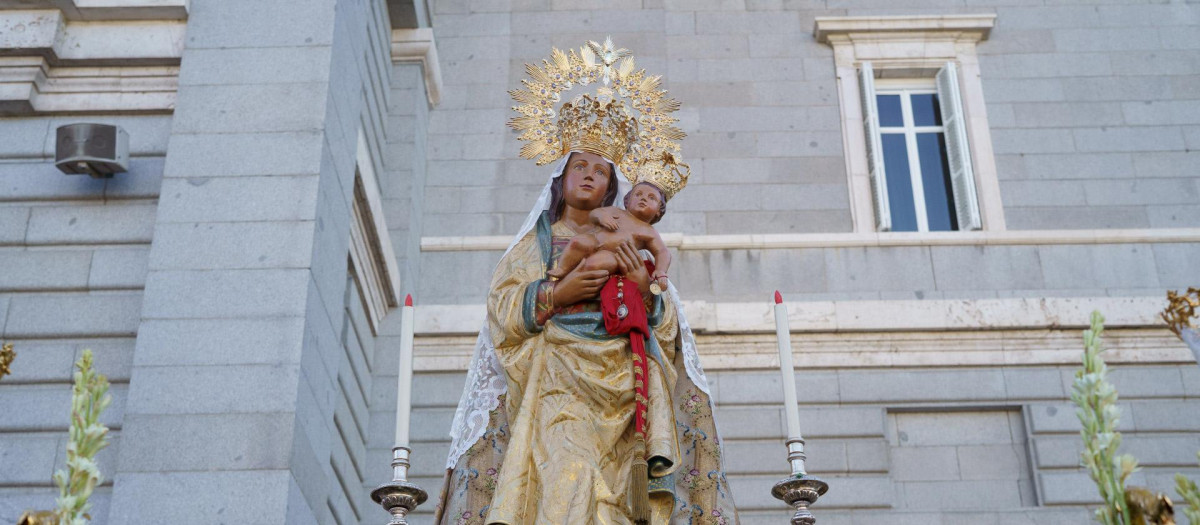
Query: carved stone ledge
[[785, 241], [970, 26], [418, 46], [30, 85], [53, 63], [108, 10]]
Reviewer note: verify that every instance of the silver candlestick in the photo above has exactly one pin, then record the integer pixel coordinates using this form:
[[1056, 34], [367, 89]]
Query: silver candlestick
[[399, 497], [799, 490]]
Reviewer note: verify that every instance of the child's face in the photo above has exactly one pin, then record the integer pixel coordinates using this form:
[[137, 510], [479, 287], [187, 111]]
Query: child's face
[[644, 202]]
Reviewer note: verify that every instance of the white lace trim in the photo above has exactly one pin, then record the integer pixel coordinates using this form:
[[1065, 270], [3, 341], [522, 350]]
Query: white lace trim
[[485, 384], [691, 357], [486, 381]]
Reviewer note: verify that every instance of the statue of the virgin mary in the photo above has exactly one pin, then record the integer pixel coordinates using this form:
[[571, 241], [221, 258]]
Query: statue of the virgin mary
[[559, 412]]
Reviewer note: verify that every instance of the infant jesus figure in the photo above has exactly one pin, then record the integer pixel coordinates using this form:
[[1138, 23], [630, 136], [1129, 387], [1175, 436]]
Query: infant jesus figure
[[594, 249]]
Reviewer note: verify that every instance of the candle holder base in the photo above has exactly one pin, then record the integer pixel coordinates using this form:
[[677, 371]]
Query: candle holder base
[[398, 498], [800, 493]]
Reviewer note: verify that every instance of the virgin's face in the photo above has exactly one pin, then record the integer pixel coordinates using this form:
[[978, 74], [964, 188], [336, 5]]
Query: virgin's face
[[586, 181]]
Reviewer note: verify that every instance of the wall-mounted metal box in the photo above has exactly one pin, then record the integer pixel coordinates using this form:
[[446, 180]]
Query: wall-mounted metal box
[[98, 150]]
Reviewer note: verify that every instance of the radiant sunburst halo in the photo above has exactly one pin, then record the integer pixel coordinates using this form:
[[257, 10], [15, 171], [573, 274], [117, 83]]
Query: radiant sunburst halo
[[627, 118]]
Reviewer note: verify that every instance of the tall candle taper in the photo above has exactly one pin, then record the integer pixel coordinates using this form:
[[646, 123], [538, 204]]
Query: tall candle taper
[[399, 497], [404, 392], [790, 406], [798, 490]]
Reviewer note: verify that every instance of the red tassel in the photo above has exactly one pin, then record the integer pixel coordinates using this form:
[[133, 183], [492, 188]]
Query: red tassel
[[634, 323]]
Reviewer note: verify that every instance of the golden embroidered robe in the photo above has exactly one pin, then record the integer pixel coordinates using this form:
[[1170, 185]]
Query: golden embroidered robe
[[559, 446]]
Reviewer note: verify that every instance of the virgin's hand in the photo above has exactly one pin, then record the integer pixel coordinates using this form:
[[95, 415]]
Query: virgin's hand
[[579, 285], [629, 262]]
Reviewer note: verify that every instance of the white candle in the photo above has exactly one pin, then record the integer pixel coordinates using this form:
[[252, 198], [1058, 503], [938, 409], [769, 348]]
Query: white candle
[[783, 334], [404, 385]]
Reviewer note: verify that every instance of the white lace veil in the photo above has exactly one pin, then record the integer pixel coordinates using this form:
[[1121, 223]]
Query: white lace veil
[[485, 377]]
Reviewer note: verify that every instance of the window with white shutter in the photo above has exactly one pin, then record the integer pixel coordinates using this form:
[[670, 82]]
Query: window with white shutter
[[879, 194], [962, 176], [918, 157], [918, 146], [372, 260]]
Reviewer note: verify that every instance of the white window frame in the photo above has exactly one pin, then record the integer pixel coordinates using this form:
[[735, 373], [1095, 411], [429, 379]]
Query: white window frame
[[910, 46], [372, 258], [908, 128]]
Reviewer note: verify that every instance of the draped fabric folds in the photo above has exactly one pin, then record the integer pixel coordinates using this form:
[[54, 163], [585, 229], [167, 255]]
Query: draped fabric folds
[[557, 447], [544, 427]]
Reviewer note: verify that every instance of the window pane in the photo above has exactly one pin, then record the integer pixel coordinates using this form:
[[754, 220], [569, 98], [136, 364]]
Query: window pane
[[890, 113], [926, 111], [899, 183], [935, 175]]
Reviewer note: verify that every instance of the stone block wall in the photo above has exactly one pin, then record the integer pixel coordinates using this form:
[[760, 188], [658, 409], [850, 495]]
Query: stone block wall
[[254, 247], [767, 132], [232, 342], [73, 259], [252, 375], [1089, 108], [246, 372], [882, 273], [403, 184], [1091, 114], [405, 168]]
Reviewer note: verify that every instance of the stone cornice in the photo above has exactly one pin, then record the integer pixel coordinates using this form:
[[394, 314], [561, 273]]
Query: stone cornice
[[933, 315], [50, 34], [854, 334], [418, 46], [108, 10], [51, 62], [750, 241], [975, 27], [910, 349], [30, 85]]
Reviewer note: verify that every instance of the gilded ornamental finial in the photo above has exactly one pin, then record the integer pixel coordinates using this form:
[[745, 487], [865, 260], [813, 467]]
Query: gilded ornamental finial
[[1181, 310], [7, 354]]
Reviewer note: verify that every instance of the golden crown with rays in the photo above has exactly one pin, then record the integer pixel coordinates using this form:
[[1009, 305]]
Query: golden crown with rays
[[627, 119]]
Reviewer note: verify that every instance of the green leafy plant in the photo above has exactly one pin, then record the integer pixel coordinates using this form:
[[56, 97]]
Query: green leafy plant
[[1191, 495], [87, 437], [1099, 414]]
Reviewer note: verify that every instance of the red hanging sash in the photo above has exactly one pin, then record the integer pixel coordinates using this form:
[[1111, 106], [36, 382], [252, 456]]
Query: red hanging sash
[[618, 292], [624, 313]]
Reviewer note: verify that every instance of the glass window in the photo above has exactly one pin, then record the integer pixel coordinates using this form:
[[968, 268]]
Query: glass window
[[899, 183], [925, 109], [920, 193], [890, 113], [935, 177]]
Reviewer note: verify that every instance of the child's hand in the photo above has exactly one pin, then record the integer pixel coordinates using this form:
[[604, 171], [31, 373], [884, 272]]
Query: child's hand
[[609, 222]]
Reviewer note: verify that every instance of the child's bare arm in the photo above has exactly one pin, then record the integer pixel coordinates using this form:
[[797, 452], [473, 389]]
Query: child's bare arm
[[607, 217], [662, 255]]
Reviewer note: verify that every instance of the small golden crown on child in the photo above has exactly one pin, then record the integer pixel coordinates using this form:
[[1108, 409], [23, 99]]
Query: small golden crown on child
[[665, 172], [626, 119]]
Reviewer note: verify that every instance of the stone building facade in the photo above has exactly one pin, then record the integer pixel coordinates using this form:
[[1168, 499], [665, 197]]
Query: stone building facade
[[298, 165]]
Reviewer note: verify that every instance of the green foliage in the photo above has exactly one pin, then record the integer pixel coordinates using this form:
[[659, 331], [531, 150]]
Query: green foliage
[[1191, 495], [87, 437], [1099, 414]]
